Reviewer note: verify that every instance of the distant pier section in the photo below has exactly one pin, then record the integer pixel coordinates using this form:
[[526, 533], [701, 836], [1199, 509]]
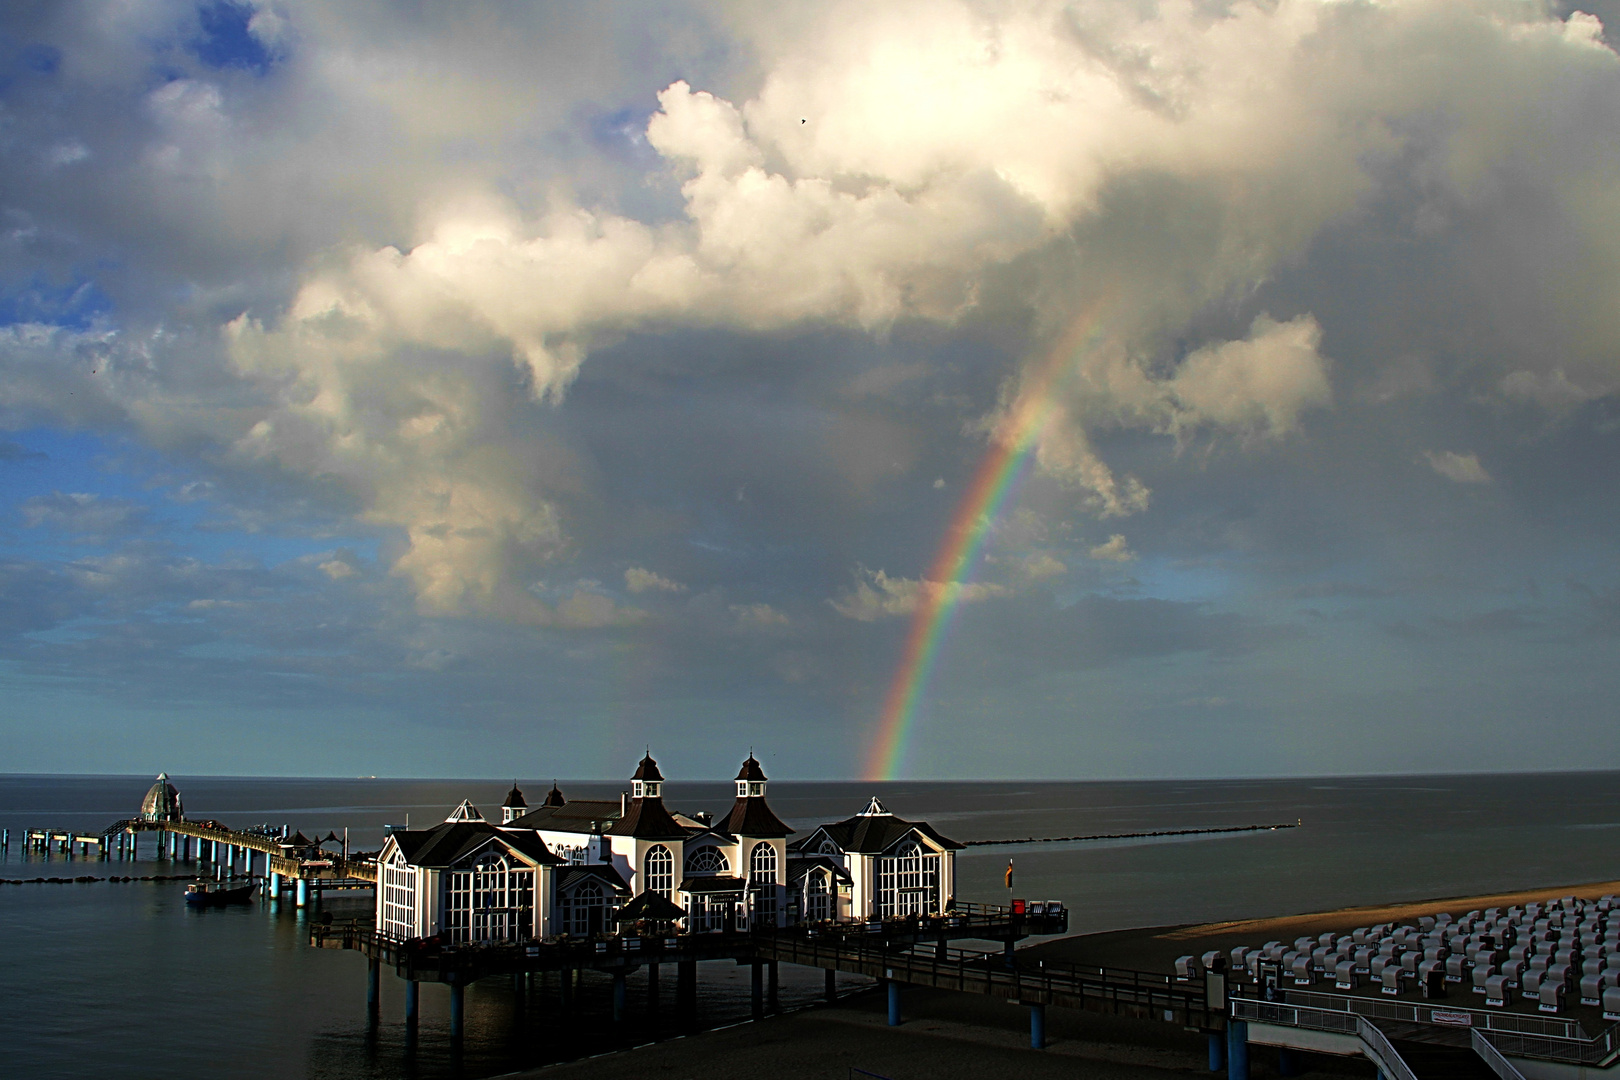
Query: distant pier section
[[283, 859]]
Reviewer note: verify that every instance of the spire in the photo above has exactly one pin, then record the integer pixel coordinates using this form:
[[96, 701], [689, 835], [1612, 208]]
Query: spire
[[554, 797], [465, 812], [750, 815], [645, 816], [875, 808]]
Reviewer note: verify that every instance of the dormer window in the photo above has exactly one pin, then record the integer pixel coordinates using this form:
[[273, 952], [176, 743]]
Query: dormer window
[[646, 789], [750, 789]]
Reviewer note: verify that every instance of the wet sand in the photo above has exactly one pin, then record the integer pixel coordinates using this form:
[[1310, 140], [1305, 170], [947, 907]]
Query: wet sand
[[1155, 948]]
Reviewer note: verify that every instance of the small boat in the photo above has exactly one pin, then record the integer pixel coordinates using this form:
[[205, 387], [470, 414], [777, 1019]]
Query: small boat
[[212, 894]]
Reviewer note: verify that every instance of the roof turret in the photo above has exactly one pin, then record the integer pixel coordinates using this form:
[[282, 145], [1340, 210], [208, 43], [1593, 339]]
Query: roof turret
[[646, 817], [554, 797], [514, 798], [750, 816], [648, 770]]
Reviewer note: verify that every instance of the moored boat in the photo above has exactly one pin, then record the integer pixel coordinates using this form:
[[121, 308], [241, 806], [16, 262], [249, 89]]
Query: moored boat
[[211, 894]]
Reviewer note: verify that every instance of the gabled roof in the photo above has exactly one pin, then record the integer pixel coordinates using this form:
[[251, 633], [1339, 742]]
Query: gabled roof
[[580, 815], [569, 876], [450, 842], [870, 834], [751, 817], [799, 867], [646, 819]]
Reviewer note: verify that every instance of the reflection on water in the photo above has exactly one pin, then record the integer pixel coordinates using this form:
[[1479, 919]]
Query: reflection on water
[[122, 980]]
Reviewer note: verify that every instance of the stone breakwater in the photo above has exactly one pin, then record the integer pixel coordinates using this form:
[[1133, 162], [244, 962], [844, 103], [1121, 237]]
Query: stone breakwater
[[89, 879]]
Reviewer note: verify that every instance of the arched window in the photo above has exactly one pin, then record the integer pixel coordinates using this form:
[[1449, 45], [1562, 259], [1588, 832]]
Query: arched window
[[659, 871], [762, 864], [585, 910], [829, 848], [707, 860], [905, 882], [489, 882], [817, 897]]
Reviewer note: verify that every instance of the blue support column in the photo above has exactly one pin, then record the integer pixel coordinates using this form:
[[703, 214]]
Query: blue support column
[[1287, 1061], [1037, 1027], [373, 983], [1217, 1051], [831, 986], [303, 892], [759, 989], [458, 1010], [1007, 954], [413, 1002], [274, 886], [894, 1003], [618, 996], [1237, 1050]]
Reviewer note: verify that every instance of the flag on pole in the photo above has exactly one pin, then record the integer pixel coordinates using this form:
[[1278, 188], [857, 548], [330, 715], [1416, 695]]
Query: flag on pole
[[1009, 873]]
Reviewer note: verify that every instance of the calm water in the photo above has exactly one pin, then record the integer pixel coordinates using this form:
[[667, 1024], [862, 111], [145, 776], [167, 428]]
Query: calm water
[[120, 980]]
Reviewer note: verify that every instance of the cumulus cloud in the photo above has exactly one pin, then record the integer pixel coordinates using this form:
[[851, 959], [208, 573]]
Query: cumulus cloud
[[877, 595], [758, 617], [638, 580], [1461, 468], [1114, 549]]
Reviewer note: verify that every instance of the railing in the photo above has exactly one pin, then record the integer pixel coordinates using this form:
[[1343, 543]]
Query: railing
[[1492, 1057], [1383, 1052], [1510, 1033]]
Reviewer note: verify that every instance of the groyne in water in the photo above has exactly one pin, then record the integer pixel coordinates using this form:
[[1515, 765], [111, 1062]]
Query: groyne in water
[[1134, 835]]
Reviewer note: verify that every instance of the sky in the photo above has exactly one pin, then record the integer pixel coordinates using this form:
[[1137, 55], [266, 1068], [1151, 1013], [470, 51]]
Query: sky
[[929, 389]]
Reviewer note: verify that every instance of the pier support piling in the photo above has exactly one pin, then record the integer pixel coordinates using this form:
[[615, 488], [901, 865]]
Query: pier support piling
[[1287, 1062], [618, 996], [758, 987], [686, 991], [894, 1003], [458, 1010], [303, 893], [413, 1002], [652, 989], [1237, 1050], [1007, 953], [1217, 1051], [1037, 1027], [831, 988], [373, 983], [772, 1000]]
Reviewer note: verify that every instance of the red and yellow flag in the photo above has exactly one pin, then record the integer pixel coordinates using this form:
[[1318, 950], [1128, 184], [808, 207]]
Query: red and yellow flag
[[1009, 873]]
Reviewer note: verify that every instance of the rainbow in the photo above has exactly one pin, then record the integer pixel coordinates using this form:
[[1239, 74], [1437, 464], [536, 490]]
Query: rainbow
[[941, 588]]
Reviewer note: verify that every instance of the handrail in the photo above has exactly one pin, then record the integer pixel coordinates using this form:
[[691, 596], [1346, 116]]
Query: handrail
[[1383, 1052], [1499, 1065]]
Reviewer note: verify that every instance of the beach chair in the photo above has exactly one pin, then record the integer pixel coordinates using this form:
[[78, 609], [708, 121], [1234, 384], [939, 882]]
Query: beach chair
[[1239, 958], [1303, 970], [1363, 957], [1611, 1003], [1592, 986], [1361, 935], [1443, 918], [1513, 971], [1344, 975], [1186, 968], [1212, 960], [1530, 984], [1497, 991], [1410, 961], [1304, 944], [1325, 939], [1559, 972], [1390, 979], [1551, 998], [1480, 975], [1457, 967]]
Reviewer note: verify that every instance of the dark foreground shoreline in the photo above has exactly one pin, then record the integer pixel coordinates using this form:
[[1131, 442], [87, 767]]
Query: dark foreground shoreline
[[949, 1036]]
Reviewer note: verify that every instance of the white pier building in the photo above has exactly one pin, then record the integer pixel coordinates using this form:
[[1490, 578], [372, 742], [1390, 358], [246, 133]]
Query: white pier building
[[570, 867]]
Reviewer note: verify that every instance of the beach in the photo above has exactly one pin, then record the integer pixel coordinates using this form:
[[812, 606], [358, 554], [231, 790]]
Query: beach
[[946, 1035]]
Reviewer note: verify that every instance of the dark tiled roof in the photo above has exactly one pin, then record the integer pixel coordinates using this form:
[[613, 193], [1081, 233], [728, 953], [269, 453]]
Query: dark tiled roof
[[452, 841], [648, 820], [576, 816], [647, 770], [751, 771], [719, 884], [751, 817], [799, 867], [569, 875], [870, 834], [514, 798]]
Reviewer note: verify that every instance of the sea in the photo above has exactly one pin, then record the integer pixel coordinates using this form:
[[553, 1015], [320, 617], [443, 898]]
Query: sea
[[120, 980]]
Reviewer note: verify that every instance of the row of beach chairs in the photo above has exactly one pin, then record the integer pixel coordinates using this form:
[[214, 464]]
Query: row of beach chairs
[[1546, 953]]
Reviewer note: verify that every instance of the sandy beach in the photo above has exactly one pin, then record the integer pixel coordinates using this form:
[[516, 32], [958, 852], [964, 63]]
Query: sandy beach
[[949, 1036]]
